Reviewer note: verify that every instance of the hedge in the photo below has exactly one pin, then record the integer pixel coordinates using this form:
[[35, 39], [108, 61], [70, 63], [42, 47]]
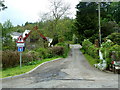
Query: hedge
[[108, 48], [90, 49], [11, 58]]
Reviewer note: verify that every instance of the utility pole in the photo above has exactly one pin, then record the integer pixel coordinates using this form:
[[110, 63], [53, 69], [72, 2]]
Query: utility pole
[[99, 23]]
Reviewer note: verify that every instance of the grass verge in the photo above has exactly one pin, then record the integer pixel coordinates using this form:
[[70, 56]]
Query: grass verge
[[25, 68], [90, 59]]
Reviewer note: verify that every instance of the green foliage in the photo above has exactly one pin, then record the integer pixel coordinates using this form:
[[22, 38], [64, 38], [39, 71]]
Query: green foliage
[[8, 44], [86, 43], [63, 28], [74, 39], [11, 59], [65, 48], [114, 10], [6, 28], [7, 24], [87, 28], [116, 49], [114, 37], [57, 51], [43, 53], [90, 49], [107, 50], [34, 36], [91, 60], [108, 27], [86, 20]]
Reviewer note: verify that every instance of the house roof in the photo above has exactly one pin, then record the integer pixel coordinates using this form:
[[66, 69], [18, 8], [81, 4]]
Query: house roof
[[16, 34]]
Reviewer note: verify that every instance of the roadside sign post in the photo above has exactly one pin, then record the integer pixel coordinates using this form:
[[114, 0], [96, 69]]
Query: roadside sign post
[[20, 59], [20, 44], [20, 49]]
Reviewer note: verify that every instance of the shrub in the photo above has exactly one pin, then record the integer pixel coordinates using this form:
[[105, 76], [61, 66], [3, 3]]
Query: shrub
[[107, 49], [43, 52], [116, 49], [90, 49], [66, 48], [114, 37], [12, 59], [56, 51]]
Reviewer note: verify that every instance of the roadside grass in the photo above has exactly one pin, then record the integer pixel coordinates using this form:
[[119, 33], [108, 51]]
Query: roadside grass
[[90, 59], [25, 68]]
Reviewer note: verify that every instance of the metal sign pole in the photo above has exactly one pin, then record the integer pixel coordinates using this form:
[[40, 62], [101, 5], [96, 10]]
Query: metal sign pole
[[99, 24], [20, 59]]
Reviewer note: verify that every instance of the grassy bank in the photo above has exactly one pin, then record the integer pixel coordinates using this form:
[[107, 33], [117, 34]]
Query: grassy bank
[[25, 68], [90, 59]]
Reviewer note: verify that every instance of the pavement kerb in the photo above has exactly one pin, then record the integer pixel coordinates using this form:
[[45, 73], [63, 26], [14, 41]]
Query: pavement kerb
[[17, 76]]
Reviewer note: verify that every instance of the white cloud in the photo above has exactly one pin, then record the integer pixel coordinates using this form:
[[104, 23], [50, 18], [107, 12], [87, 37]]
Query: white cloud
[[20, 11]]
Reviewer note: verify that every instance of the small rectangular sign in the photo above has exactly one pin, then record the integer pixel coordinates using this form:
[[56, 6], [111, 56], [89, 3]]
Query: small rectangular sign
[[20, 49], [20, 44]]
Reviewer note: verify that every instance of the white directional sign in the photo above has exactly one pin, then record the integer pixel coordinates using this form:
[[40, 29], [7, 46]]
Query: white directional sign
[[20, 44]]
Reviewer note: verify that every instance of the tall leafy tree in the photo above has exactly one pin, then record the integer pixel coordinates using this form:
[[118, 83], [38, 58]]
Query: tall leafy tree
[[7, 28], [114, 11], [86, 20], [7, 42]]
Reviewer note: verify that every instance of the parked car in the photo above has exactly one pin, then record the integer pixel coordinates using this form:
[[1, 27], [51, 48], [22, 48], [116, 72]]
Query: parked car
[[115, 66]]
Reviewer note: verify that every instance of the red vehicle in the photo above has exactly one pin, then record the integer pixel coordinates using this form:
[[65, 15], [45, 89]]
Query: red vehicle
[[116, 66]]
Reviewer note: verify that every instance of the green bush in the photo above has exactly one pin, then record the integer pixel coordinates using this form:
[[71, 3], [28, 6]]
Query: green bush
[[116, 49], [9, 59], [66, 48], [43, 52], [107, 49], [12, 58], [56, 51], [90, 49], [114, 37]]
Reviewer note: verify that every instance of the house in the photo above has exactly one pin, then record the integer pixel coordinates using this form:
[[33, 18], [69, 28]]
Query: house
[[25, 32], [15, 35], [29, 44], [49, 41]]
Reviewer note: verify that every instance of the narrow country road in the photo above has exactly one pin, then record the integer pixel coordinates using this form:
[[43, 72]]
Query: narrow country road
[[71, 72]]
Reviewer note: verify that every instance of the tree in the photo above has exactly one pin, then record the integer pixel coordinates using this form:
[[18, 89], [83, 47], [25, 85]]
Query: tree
[[114, 37], [58, 9], [86, 20], [7, 28], [7, 42], [2, 6], [114, 11]]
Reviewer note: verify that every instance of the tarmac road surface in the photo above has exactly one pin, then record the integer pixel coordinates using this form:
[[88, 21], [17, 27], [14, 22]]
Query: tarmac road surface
[[71, 72]]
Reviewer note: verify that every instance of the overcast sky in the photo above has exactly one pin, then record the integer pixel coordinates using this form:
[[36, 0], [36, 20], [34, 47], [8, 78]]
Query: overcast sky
[[21, 11]]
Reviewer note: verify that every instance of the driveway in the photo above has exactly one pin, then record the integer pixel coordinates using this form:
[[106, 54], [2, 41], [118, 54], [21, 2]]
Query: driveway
[[71, 72]]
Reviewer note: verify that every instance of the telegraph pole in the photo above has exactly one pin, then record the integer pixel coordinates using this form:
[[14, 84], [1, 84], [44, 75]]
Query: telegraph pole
[[99, 24]]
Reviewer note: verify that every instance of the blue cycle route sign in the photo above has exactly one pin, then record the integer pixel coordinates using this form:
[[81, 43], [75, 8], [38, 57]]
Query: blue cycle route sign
[[20, 49]]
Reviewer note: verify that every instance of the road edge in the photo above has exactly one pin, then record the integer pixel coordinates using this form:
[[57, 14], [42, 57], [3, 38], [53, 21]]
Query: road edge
[[20, 75]]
